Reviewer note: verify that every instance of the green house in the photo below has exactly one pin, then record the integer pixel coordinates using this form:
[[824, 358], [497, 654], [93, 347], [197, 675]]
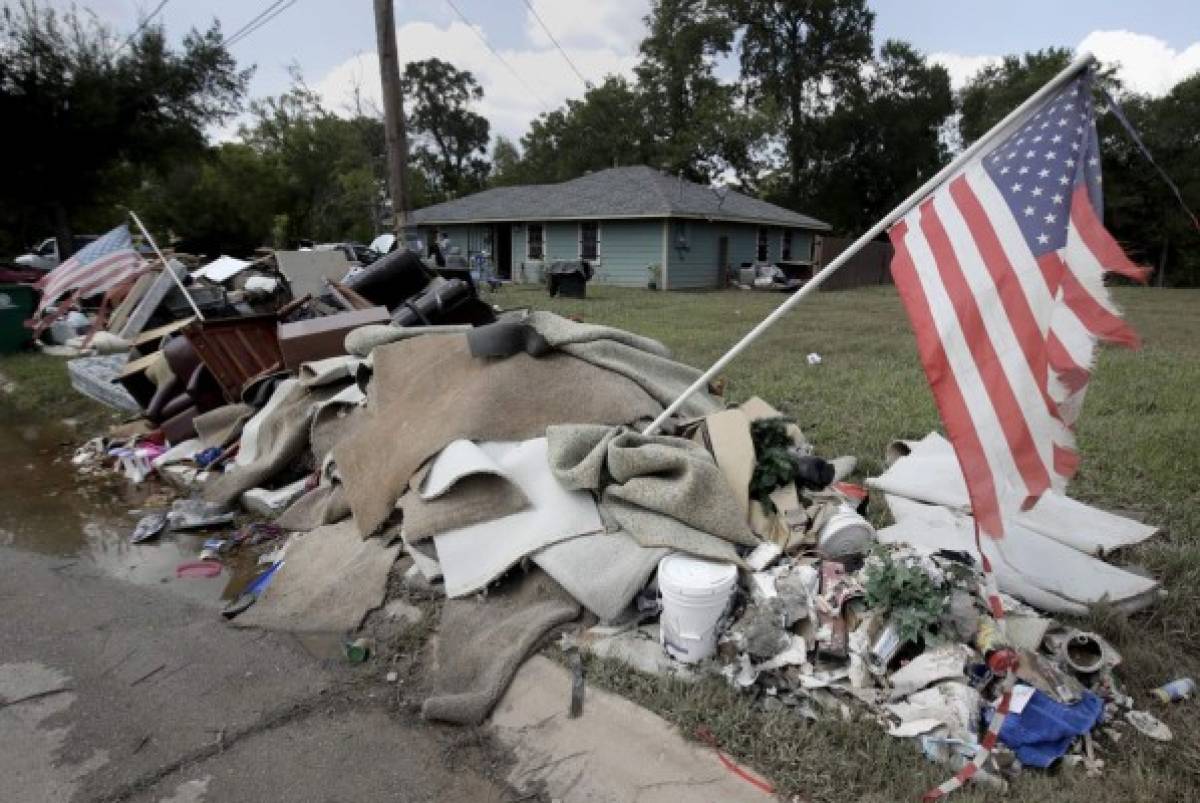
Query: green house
[[633, 224]]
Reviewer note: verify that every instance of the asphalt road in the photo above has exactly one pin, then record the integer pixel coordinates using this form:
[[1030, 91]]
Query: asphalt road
[[115, 692]]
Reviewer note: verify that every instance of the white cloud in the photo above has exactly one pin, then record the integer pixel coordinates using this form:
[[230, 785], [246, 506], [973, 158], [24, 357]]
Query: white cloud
[[612, 24], [961, 67], [1145, 64], [509, 103]]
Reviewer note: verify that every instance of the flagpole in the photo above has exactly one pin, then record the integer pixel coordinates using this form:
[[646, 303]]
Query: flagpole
[[1082, 61], [166, 266]]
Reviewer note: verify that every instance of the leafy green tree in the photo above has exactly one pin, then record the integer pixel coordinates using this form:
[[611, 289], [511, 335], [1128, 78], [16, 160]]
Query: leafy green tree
[[881, 142], [608, 127], [507, 167], [799, 56], [675, 77], [85, 116], [1140, 209], [328, 171], [451, 139], [997, 89]]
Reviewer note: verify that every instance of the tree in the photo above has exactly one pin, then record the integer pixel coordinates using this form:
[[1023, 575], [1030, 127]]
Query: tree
[[607, 128], [1140, 208], [799, 56], [84, 117], [452, 139], [675, 77], [997, 89], [329, 171], [506, 163], [881, 142]]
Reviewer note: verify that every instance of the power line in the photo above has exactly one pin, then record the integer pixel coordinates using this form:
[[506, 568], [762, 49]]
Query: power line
[[142, 26], [538, 17], [252, 26], [270, 7], [495, 53]]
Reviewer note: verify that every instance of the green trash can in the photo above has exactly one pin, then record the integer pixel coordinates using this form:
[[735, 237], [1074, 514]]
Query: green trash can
[[16, 305]]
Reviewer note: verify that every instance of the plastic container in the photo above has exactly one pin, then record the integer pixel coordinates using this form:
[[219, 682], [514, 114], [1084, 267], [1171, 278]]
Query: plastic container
[[16, 305], [695, 594], [845, 533]]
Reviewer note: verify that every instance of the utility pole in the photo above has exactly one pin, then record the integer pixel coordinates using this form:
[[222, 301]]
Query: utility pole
[[393, 113]]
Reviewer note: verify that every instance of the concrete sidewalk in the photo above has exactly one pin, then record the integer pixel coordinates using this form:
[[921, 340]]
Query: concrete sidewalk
[[110, 691]]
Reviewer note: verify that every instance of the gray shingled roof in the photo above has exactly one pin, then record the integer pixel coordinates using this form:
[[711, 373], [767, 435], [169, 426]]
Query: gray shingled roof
[[620, 192]]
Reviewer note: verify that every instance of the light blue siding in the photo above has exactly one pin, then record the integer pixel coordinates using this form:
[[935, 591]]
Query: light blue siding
[[562, 241], [692, 254], [627, 249]]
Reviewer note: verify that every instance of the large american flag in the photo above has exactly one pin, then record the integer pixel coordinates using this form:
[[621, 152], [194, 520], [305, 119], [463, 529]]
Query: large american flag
[[95, 268], [1001, 270]]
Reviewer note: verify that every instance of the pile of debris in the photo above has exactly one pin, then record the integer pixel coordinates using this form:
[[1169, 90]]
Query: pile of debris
[[394, 413]]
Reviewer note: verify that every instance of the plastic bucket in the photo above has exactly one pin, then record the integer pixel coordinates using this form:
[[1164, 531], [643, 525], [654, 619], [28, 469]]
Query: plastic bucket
[[695, 594], [845, 533]]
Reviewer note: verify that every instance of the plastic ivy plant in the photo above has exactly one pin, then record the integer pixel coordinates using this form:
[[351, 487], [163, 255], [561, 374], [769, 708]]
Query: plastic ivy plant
[[904, 592]]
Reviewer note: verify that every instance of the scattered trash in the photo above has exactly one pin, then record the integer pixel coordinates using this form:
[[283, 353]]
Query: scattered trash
[[196, 514], [357, 650], [198, 568], [1149, 725], [148, 527], [1181, 689], [728, 548]]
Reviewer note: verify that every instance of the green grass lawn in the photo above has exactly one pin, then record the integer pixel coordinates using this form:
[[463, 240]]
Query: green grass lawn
[[34, 384], [1140, 440]]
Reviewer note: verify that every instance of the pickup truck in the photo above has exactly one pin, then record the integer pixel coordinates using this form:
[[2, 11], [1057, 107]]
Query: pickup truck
[[45, 256]]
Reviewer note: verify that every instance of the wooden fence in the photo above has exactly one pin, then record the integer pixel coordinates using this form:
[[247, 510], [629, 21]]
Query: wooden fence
[[868, 267]]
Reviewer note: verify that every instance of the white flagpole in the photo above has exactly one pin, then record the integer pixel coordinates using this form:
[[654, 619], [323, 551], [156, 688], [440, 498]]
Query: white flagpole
[[166, 266], [1083, 60]]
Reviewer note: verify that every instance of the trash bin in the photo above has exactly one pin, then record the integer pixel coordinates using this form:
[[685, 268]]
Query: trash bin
[[16, 305], [568, 279]]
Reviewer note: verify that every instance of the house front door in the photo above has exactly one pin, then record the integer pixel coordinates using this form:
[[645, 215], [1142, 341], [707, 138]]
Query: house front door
[[502, 250], [723, 265]]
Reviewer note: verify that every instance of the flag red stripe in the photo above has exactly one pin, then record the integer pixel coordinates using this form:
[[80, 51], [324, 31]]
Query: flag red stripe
[[1066, 461], [1008, 286], [1099, 241], [1070, 373], [946, 392], [68, 279], [966, 308], [95, 273], [1098, 320], [114, 273]]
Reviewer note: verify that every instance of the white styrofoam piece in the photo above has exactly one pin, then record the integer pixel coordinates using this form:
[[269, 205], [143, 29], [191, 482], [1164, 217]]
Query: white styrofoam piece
[[473, 556]]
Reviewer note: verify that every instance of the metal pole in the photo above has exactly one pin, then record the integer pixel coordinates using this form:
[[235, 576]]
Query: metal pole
[[393, 114], [900, 211], [166, 266]]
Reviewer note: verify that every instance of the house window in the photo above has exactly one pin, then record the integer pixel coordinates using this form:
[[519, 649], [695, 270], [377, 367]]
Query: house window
[[589, 240], [681, 234], [533, 241], [761, 252], [785, 250]]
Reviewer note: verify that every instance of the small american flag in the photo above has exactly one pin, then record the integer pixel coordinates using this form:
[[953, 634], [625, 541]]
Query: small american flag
[[97, 267], [1001, 270]]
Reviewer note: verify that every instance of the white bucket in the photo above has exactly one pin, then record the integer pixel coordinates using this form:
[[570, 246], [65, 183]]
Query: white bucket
[[695, 593], [845, 533]]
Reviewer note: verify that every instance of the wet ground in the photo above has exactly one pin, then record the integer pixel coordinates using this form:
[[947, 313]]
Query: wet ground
[[47, 506]]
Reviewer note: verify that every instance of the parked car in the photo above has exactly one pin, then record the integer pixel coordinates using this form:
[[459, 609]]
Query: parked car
[[386, 243], [45, 255], [354, 252]]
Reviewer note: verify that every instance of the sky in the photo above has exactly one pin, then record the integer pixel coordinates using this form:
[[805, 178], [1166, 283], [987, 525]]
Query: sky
[[1156, 43]]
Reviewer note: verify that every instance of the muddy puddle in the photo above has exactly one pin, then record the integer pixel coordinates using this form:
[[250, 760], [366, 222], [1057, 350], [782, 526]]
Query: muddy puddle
[[47, 506]]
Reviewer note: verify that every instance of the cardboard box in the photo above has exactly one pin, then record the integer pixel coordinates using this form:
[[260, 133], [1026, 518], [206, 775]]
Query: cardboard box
[[319, 338]]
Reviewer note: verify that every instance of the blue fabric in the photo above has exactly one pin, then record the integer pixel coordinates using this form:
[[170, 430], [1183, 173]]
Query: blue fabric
[[1044, 729]]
